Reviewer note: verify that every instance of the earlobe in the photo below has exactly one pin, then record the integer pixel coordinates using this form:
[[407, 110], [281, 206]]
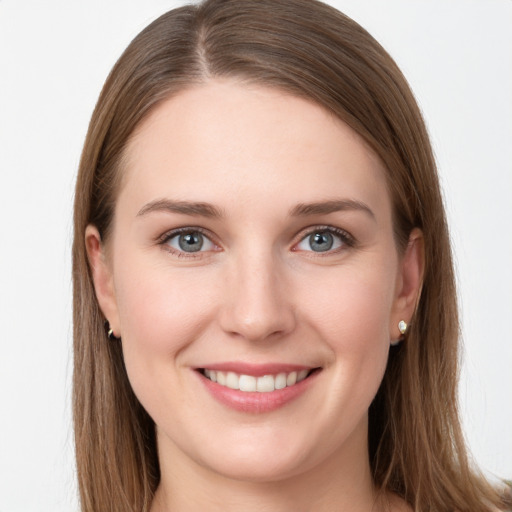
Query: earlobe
[[410, 281], [102, 277]]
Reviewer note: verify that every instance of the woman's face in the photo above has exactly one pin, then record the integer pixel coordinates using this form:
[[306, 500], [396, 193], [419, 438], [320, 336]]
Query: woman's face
[[253, 244]]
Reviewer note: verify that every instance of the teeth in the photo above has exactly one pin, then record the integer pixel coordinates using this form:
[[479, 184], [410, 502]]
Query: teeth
[[265, 384], [291, 379], [221, 378], [280, 382], [232, 380], [248, 383], [302, 375]]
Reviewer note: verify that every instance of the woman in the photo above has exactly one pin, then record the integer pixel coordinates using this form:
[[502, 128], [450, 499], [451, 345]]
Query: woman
[[258, 281]]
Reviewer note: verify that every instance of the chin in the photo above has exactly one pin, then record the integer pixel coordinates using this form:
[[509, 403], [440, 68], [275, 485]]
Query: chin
[[259, 469]]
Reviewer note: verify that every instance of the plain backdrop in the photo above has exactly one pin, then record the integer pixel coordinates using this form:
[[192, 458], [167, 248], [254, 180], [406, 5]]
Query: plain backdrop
[[54, 57]]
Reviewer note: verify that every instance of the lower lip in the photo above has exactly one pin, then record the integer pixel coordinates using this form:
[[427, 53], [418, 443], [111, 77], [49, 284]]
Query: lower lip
[[256, 402]]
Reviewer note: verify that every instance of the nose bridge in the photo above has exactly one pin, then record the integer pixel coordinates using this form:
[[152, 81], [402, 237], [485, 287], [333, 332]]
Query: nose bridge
[[257, 305]]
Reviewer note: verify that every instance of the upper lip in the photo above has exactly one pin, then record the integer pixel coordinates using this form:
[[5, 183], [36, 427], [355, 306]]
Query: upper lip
[[256, 370]]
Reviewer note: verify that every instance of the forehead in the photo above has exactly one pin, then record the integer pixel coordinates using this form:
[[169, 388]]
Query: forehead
[[235, 143]]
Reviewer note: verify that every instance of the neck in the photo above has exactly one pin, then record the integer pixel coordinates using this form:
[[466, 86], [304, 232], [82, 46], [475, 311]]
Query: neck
[[341, 482]]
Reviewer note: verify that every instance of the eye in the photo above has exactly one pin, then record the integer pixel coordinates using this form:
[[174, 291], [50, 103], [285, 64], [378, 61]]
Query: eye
[[324, 240], [189, 241]]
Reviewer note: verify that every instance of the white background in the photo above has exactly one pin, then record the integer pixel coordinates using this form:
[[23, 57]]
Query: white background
[[54, 57]]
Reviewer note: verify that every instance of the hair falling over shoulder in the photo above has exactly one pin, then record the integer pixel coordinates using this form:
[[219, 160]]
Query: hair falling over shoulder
[[311, 50]]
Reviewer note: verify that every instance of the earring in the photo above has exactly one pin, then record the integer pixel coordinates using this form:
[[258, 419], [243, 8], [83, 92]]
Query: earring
[[110, 332], [402, 327]]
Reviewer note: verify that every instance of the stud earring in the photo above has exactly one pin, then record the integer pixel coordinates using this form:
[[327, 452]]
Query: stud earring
[[402, 327], [110, 332]]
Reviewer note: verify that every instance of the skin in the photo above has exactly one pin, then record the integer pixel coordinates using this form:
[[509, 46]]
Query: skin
[[256, 293]]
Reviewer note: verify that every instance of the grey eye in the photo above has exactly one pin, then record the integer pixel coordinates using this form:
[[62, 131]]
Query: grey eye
[[190, 241], [320, 242]]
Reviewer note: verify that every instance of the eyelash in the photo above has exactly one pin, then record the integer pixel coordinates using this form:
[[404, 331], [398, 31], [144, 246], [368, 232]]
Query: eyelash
[[346, 238], [165, 238]]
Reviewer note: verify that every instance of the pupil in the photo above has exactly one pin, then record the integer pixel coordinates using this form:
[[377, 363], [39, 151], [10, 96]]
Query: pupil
[[191, 242], [321, 242]]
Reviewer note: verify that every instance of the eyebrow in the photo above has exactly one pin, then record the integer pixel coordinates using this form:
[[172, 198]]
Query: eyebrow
[[183, 207], [208, 210], [332, 206]]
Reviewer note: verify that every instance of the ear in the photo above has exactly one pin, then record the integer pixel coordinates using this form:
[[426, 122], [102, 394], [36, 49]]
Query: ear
[[409, 282], [102, 278]]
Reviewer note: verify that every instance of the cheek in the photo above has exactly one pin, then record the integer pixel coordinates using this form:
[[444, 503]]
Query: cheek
[[351, 314], [161, 312], [352, 307]]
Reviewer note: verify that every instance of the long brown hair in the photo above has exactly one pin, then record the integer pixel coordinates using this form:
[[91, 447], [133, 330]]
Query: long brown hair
[[311, 50]]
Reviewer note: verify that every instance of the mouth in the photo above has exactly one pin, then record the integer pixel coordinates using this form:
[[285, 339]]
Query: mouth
[[256, 388], [267, 383]]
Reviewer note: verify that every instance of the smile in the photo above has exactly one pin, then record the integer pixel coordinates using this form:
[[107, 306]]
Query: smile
[[250, 383], [256, 388]]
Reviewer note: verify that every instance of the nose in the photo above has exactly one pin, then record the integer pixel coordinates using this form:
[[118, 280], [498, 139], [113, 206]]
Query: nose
[[258, 304]]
